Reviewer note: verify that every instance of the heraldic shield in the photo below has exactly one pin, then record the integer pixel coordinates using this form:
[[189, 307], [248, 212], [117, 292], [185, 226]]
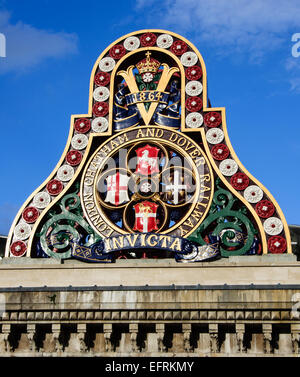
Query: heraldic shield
[[149, 171]]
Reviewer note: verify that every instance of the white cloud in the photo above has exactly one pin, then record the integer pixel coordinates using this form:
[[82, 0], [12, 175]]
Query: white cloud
[[27, 46], [255, 26]]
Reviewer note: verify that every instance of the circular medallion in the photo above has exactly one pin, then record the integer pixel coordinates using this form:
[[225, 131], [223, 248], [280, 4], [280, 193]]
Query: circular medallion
[[214, 136], [193, 88], [193, 73], [101, 94], [100, 109], [143, 190], [148, 39], [30, 214], [239, 181], [41, 200], [253, 194], [179, 47], [265, 209], [79, 141], [164, 41], [54, 187], [147, 77], [193, 104], [228, 167], [212, 119], [132, 43], [107, 64], [74, 158], [277, 245], [82, 125], [220, 152], [117, 52], [273, 226], [65, 173], [100, 124], [188, 59], [194, 120], [18, 248], [102, 78], [22, 231]]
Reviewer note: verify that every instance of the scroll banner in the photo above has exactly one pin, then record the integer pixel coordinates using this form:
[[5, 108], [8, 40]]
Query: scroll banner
[[184, 250]]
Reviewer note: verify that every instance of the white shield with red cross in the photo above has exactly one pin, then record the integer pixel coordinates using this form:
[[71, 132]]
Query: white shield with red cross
[[145, 217], [117, 189], [147, 160]]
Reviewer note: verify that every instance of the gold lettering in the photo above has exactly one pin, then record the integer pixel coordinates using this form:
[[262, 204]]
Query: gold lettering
[[173, 137], [88, 181], [181, 141], [200, 161], [130, 241], [143, 239], [176, 244], [140, 133], [122, 138], [113, 144], [195, 153], [150, 238], [118, 243], [90, 173], [164, 240], [159, 132], [150, 132]]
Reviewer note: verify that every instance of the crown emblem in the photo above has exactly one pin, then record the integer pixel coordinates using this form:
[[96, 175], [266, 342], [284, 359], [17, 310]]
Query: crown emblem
[[148, 64]]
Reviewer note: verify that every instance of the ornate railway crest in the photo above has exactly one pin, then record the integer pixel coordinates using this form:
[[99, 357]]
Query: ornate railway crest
[[149, 171]]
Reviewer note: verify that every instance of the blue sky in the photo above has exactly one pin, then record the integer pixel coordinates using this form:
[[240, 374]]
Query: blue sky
[[52, 46]]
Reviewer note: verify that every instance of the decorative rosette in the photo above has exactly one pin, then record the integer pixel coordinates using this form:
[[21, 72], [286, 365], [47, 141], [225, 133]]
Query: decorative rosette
[[131, 43], [214, 136], [179, 47], [102, 78], [253, 194], [193, 88], [212, 119], [30, 214], [239, 181], [193, 73], [54, 187], [117, 52], [265, 209], [82, 125], [65, 173], [41, 200], [148, 39], [101, 93], [164, 41], [74, 158], [228, 167], [220, 152], [100, 124], [107, 64], [18, 248], [22, 231], [194, 120], [100, 109], [194, 104], [79, 141], [277, 245], [189, 59], [273, 226]]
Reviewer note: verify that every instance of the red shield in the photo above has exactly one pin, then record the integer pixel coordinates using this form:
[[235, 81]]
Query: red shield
[[147, 161], [145, 217]]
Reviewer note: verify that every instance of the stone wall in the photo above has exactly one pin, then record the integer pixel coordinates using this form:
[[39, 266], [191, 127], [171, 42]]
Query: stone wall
[[246, 308]]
